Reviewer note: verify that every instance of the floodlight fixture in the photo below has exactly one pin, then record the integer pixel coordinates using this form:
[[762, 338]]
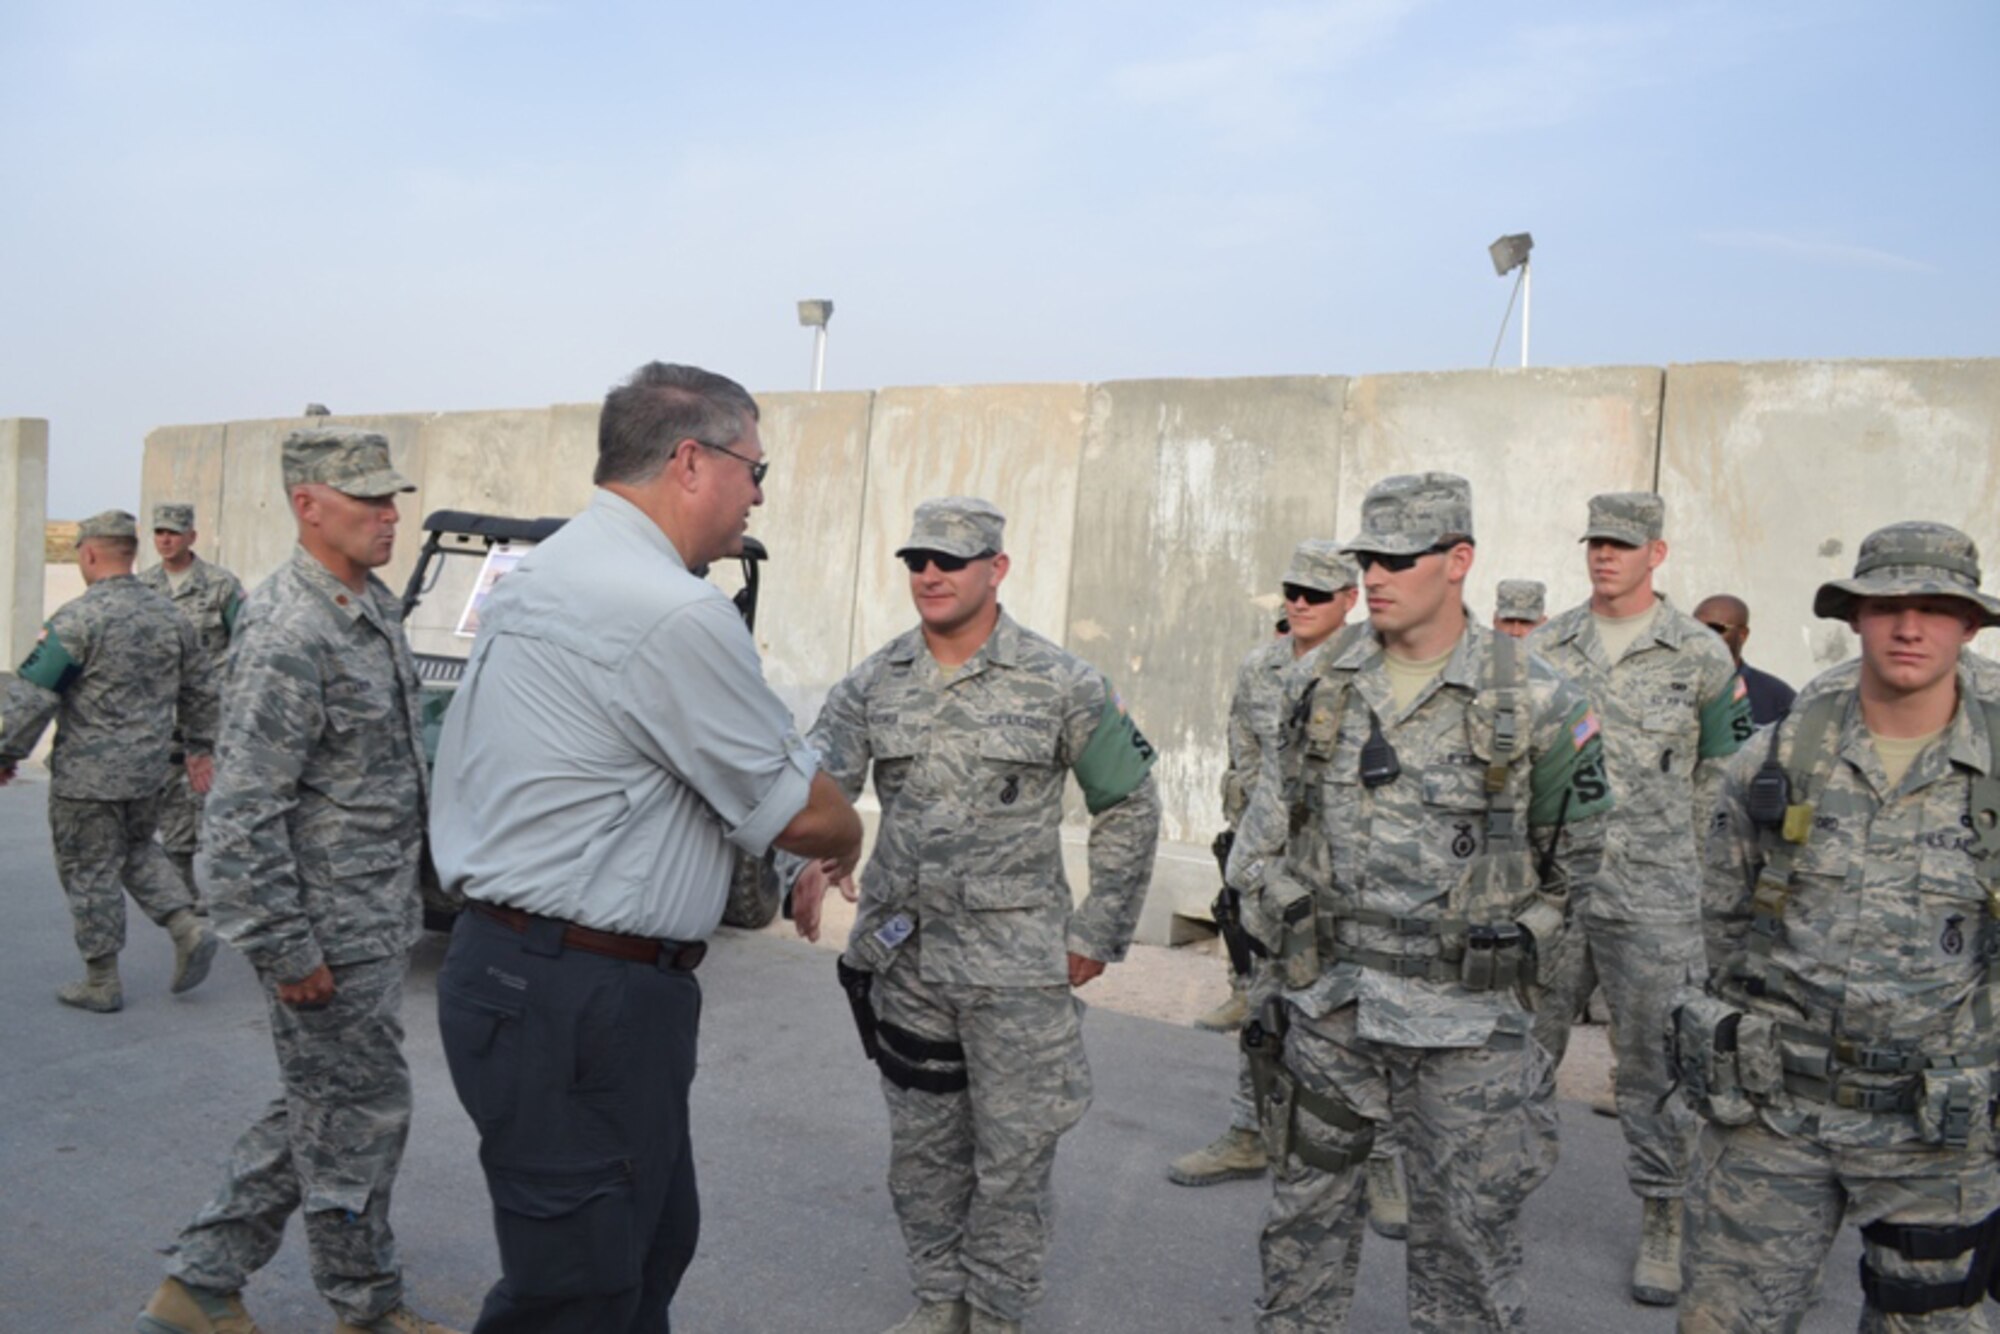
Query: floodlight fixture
[[814, 315], [1510, 253]]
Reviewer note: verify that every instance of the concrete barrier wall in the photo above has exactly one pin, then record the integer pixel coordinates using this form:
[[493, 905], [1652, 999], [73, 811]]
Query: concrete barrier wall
[[1773, 473], [1149, 521], [24, 474]]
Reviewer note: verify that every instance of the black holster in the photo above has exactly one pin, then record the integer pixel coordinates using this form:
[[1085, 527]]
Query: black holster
[[857, 984]]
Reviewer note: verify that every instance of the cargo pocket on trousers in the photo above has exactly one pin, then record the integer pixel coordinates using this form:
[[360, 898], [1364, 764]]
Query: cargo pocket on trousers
[[482, 1042], [564, 1232]]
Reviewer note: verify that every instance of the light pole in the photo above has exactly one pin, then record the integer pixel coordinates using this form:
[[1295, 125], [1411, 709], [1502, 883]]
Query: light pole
[[814, 315], [1510, 253]]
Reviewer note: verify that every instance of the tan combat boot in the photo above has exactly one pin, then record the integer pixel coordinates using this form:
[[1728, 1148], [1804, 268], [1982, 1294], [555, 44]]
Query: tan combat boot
[[194, 949], [176, 1308], [1239, 1153], [402, 1320], [100, 990], [1388, 1206], [984, 1322], [1656, 1274], [935, 1318], [1228, 1016]]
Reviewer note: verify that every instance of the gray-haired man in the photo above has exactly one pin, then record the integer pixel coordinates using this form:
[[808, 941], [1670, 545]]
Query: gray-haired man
[[612, 748]]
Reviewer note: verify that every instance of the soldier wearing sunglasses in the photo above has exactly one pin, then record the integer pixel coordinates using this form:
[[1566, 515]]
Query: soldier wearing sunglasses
[[967, 941], [1319, 588], [1440, 788]]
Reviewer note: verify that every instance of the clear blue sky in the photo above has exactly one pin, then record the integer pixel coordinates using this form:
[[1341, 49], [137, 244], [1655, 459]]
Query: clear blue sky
[[224, 210]]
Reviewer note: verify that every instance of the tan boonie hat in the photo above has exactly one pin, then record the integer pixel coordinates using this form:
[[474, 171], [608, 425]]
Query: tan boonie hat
[[111, 523], [1520, 600], [1907, 560], [1411, 513], [1632, 517], [352, 462], [173, 517], [1318, 564], [956, 526]]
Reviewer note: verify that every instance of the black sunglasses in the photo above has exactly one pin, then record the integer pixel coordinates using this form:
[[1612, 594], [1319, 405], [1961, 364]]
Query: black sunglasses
[[758, 467], [1312, 597], [915, 561], [1722, 630], [1368, 560]]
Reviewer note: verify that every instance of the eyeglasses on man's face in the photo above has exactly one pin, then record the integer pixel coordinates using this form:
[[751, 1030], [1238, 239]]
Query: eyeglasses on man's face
[[917, 561], [1312, 597], [1396, 564], [758, 467]]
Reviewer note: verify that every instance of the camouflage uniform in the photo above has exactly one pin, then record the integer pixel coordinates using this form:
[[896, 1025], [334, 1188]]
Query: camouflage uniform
[[1257, 713], [966, 919], [1673, 709], [1863, 984], [1384, 1017], [309, 852], [210, 597], [115, 668]]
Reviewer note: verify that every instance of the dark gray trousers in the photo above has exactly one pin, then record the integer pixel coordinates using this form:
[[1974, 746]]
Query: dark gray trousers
[[575, 1068]]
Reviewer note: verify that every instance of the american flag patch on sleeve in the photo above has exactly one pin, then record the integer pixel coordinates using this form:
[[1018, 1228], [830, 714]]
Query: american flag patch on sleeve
[[1585, 729]]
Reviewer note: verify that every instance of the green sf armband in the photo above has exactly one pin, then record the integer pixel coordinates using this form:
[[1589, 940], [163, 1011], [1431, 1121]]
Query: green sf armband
[[1115, 762], [1572, 768], [1725, 721], [50, 665], [230, 610]]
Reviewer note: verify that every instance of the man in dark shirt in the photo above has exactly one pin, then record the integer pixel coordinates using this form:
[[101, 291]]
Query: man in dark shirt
[[1729, 616]]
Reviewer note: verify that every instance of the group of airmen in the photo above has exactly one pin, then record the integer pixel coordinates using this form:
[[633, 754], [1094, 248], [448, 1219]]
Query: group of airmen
[[1443, 838]]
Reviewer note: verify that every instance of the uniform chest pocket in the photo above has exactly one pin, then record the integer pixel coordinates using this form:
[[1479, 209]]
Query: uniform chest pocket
[[1951, 897], [889, 741], [1669, 739], [1018, 744], [354, 705], [1455, 804]]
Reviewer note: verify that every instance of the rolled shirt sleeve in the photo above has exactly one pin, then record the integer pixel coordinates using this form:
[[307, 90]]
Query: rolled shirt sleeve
[[702, 711]]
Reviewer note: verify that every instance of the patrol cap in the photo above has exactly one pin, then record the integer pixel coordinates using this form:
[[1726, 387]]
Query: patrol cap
[[957, 526], [1409, 514], [1318, 563], [111, 523], [351, 461], [174, 517], [1521, 600], [1631, 517], [1910, 560]]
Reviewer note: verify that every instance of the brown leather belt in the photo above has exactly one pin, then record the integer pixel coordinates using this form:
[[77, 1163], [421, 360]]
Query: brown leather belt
[[682, 956]]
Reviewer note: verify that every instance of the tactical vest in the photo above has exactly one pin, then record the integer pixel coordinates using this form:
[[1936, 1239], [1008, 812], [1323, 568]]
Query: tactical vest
[[1814, 1058], [1498, 911]]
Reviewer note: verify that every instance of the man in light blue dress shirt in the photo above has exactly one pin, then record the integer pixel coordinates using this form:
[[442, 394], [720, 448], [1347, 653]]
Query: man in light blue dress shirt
[[610, 748]]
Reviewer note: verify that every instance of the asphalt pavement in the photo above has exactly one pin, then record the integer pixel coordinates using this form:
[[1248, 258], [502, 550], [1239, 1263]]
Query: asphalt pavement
[[113, 1130]]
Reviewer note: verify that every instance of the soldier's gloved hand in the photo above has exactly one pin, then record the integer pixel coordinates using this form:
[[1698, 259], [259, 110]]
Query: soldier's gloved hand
[[201, 773], [6, 774], [310, 992], [1082, 968]]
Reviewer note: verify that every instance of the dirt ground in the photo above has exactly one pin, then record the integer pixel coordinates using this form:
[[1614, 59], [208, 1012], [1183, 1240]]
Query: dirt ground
[[1177, 985]]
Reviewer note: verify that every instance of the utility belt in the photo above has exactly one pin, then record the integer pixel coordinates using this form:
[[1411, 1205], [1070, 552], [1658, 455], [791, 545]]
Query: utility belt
[[895, 1050], [1497, 956], [1731, 1063]]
